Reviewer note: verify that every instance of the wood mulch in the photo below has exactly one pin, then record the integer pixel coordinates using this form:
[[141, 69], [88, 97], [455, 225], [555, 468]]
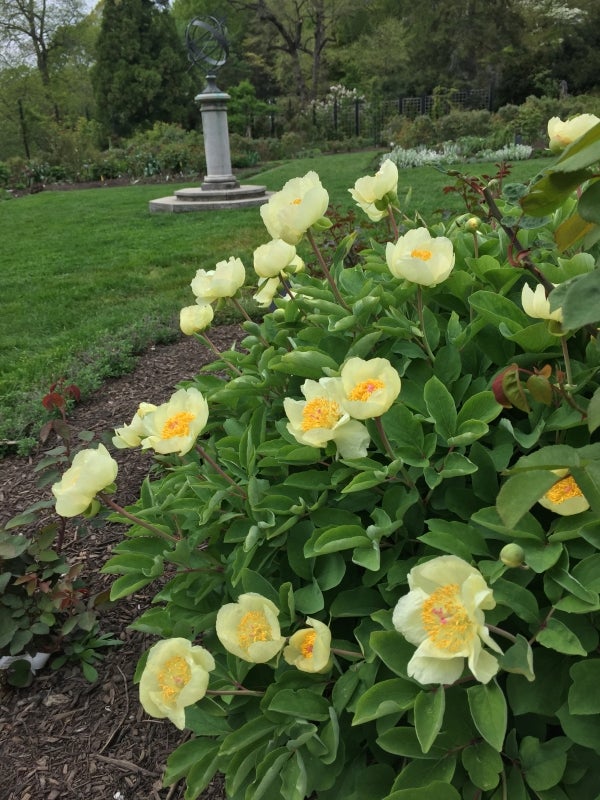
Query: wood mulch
[[64, 737]]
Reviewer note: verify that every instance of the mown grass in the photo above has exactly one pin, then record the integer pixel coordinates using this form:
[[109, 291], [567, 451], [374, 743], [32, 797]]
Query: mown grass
[[90, 277]]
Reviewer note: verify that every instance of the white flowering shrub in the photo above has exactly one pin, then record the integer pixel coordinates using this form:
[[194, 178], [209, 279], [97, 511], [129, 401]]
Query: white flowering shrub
[[379, 555], [452, 153]]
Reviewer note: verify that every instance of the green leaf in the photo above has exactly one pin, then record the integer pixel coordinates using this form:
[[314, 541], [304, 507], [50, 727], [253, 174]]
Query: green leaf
[[438, 790], [593, 412], [489, 712], [589, 203], [556, 636], [518, 659], [127, 585], [393, 649], [249, 733], [482, 406], [404, 742], [582, 729], [441, 407], [584, 697], [304, 362], [181, 760], [334, 539], [551, 190], [384, 698], [300, 703], [267, 772], [496, 309], [587, 478], [483, 764], [429, 715], [520, 492], [294, 778], [584, 152], [543, 762], [579, 299], [417, 774]]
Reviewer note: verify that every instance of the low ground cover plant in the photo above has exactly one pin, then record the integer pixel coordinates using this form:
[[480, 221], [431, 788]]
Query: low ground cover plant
[[382, 509]]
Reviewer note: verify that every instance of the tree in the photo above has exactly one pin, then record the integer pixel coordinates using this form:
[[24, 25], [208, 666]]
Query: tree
[[141, 72], [27, 29]]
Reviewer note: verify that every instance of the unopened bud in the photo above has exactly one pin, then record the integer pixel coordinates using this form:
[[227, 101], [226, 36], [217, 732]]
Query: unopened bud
[[472, 224], [512, 555]]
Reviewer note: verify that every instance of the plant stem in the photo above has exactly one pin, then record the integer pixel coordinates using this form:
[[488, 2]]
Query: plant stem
[[132, 518], [501, 632], [218, 353], [567, 358], [347, 653], [221, 471], [248, 692], [422, 323], [244, 313], [326, 272], [393, 223]]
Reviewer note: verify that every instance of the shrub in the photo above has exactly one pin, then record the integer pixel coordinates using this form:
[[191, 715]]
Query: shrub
[[379, 516]]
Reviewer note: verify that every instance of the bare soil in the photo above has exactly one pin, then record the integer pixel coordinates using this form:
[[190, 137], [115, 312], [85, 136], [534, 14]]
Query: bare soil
[[63, 737]]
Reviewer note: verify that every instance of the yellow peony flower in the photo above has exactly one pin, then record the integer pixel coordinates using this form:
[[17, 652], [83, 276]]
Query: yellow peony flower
[[249, 628], [271, 259], [373, 193], [565, 497], [290, 213], [90, 473], [175, 676], [443, 615], [321, 418], [174, 426], [309, 648], [562, 133], [268, 288], [193, 319], [370, 387], [131, 435], [223, 281], [420, 258], [536, 304]]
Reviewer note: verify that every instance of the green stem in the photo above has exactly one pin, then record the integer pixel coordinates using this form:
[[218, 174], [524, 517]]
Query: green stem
[[348, 653], [248, 318], [326, 272], [218, 353], [393, 224], [422, 323], [221, 471], [132, 518], [501, 632], [567, 358], [247, 692]]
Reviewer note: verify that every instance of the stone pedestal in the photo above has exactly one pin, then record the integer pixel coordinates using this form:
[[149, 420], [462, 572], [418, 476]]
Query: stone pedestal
[[220, 188]]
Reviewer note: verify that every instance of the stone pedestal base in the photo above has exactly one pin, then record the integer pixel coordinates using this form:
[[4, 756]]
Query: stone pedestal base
[[209, 198]]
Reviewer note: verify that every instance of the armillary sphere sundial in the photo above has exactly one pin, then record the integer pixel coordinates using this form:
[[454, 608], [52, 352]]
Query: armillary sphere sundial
[[206, 41]]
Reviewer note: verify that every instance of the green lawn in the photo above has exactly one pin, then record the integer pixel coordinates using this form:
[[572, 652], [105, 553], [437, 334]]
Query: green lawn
[[88, 276]]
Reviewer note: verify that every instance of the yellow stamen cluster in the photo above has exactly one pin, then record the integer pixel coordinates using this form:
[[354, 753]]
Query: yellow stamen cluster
[[320, 413], [253, 627], [364, 389], [177, 425], [296, 201], [564, 489], [446, 620], [424, 255], [308, 644], [174, 675]]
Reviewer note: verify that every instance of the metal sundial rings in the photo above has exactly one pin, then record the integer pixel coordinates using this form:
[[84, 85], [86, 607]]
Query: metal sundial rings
[[206, 41]]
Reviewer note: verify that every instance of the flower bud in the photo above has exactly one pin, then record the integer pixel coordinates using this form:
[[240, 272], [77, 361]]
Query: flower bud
[[472, 224], [512, 555]]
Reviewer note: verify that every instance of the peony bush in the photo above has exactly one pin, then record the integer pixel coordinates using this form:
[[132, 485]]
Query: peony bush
[[376, 523]]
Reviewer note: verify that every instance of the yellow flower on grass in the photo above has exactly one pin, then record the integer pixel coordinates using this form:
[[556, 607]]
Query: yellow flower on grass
[[131, 435], [562, 133], [250, 629], [443, 615], [321, 418], [175, 676], [193, 319], [90, 473], [174, 426], [537, 305], [565, 497], [374, 193], [272, 258], [370, 387], [420, 258], [290, 213], [223, 281], [309, 648]]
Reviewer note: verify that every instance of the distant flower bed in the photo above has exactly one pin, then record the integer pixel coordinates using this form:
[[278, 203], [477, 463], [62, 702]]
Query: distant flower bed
[[452, 153]]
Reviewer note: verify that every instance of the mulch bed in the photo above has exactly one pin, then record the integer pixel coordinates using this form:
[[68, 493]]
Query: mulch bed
[[64, 737]]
